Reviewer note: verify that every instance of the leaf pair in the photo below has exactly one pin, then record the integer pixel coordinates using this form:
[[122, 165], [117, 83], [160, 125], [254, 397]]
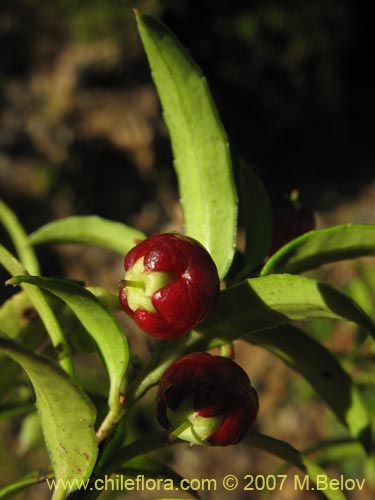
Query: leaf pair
[[61, 419]]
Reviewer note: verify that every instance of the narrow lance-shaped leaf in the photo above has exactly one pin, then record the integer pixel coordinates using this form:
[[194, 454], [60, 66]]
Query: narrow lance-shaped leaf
[[200, 146], [44, 310], [261, 303], [19, 238], [19, 320], [336, 451], [102, 326], [10, 490], [258, 219], [67, 415], [90, 230], [316, 477], [320, 368], [319, 247]]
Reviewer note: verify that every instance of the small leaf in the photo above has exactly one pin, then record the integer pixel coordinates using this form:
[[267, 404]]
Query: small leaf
[[320, 368], [19, 320], [262, 303], [18, 314], [41, 305], [19, 238], [89, 230], [30, 435], [10, 490], [258, 219], [314, 474], [67, 415], [200, 146], [13, 411], [316, 248], [99, 323], [337, 451]]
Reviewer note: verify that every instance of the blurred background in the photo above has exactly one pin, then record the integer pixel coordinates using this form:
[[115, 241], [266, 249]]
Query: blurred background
[[81, 132]]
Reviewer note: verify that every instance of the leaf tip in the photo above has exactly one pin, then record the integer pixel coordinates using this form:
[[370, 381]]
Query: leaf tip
[[12, 281], [137, 12]]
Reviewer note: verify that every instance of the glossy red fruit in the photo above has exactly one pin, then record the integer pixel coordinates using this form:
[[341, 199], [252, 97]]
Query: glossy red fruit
[[206, 399], [170, 285]]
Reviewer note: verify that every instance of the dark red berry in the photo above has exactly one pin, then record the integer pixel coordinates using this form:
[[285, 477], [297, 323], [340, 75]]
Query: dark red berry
[[170, 284], [206, 399], [290, 219]]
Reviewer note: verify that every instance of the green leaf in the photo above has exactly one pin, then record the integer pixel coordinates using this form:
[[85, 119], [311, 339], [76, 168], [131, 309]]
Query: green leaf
[[44, 310], [89, 230], [336, 452], [316, 248], [30, 435], [262, 303], [17, 314], [258, 219], [19, 238], [18, 320], [100, 324], [119, 456], [13, 411], [10, 490], [200, 146], [321, 369], [67, 415], [315, 475]]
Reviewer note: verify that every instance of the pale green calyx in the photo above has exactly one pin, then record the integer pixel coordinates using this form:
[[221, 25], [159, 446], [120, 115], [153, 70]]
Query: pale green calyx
[[141, 284], [189, 426]]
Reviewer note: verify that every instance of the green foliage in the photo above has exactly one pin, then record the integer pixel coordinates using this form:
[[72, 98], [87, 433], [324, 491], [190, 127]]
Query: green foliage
[[321, 369], [103, 327], [259, 308], [316, 248], [292, 456], [67, 416], [88, 230], [200, 146]]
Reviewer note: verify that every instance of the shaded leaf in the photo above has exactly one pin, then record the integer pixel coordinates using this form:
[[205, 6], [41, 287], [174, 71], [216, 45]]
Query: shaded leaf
[[286, 452], [258, 219], [99, 323], [30, 435], [19, 238], [40, 303], [10, 490], [19, 320], [336, 451], [200, 146], [67, 416], [89, 230], [262, 303], [319, 247], [13, 411], [321, 369]]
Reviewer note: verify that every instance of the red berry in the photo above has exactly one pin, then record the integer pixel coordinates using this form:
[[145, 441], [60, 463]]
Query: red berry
[[206, 399], [290, 219], [170, 285]]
